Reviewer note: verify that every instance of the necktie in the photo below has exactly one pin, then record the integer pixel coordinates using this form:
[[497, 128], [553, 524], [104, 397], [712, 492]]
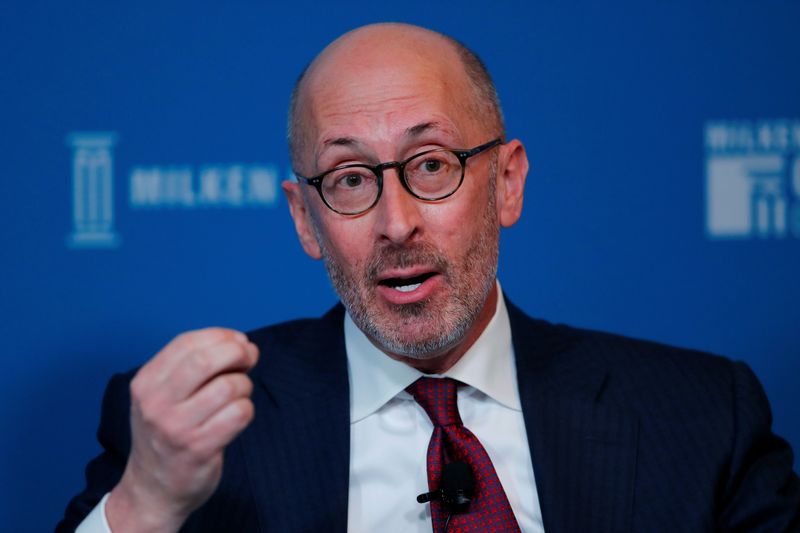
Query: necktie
[[489, 510]]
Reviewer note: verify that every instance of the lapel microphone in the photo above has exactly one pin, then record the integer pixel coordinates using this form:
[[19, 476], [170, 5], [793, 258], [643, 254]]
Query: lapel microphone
[[455, 490]]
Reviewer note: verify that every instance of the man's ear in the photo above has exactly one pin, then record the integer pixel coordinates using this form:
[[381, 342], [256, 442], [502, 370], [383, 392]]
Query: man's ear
[[512, 168], [302, 219]]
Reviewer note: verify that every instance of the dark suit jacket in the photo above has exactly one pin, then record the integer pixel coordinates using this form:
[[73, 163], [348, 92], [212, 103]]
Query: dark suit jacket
[[625, 435]]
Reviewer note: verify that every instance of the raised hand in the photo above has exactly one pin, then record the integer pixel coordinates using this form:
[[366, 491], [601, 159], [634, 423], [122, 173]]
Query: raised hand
[[187, 404]]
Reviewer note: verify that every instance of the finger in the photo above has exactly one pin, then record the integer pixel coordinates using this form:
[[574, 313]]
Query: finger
[[158, 368], [222, 427], [211, 397], [201, 365]]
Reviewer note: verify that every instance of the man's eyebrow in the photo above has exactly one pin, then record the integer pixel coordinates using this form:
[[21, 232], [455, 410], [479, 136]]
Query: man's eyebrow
[[332, 142], [340, 141], [419, 129]]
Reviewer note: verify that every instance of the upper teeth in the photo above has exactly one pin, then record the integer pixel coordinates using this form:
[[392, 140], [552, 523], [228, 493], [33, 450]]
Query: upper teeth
[[408, 288]]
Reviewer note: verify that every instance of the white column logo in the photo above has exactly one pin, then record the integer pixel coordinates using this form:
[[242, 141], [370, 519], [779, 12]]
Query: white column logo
[[92, 190]]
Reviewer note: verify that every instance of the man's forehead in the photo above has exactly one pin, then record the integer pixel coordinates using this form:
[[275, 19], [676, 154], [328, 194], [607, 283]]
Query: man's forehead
[[385, 73]]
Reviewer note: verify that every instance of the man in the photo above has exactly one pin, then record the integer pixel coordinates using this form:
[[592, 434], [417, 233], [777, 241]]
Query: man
[[407, 178]]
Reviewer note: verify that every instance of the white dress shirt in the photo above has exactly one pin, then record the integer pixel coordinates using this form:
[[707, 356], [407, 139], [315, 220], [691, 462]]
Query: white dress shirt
[[389, 433]]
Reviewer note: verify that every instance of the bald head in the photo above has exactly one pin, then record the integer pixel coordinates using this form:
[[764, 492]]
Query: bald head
[[392, 49]]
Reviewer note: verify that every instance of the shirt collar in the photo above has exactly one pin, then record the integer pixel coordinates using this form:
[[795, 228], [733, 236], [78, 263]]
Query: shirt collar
[[488, 366]]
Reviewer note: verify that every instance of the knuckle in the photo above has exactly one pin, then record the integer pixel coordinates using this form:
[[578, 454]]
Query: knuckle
[[253, 349], [248, 385], [242, 352], [193, 340], [243, 410], [233, 352], [218, 334], [225, 386], [232, 386], [202, 361], [184, 341], [235, 335], [241, 385]]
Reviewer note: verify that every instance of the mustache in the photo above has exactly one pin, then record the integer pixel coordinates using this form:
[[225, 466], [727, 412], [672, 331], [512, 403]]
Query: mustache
[[405, 256]]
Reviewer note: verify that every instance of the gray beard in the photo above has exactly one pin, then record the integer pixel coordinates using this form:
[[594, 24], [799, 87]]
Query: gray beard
[[452, 326]]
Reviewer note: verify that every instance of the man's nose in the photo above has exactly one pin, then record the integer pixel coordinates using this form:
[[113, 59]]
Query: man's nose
[[398, 215]]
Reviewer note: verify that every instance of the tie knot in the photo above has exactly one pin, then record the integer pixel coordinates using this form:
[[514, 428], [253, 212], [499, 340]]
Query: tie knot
[[438, 397]]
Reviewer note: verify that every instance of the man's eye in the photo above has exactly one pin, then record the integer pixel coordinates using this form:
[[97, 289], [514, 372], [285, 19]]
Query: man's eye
[[351, 180], [432, 165]]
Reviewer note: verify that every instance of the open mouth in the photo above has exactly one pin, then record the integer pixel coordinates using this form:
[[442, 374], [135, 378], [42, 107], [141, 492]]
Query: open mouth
[[408, 284]]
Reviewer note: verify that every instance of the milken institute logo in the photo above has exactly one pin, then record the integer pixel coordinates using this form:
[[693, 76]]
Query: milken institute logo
[[234, 185]]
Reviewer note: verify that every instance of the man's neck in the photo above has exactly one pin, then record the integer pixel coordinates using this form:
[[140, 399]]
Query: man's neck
[[441, 363]]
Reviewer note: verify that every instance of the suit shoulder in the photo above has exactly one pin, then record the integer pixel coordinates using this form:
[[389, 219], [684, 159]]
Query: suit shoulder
[[613, 349], [620, 350], [660, 378], [635, 369]]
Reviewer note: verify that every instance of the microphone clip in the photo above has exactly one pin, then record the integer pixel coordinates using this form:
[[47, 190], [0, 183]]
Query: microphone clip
[[455, 489]]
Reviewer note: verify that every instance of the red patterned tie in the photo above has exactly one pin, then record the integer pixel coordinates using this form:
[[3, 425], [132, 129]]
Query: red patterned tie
[[451, 441]]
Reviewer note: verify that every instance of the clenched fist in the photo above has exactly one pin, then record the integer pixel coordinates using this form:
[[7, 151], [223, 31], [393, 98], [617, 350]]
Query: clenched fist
[[187, 404]]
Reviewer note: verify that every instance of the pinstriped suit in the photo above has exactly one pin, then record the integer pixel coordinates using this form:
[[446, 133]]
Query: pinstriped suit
[[625, 435]]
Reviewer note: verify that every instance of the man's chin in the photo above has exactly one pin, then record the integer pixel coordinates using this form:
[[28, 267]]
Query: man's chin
[[414, 335], [416, 348]]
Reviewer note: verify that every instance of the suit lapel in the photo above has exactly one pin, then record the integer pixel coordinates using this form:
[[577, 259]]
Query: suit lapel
[[583, 449], [301, 435]]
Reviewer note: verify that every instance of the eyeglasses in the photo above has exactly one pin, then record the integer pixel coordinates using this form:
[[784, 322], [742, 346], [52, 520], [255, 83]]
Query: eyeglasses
[[430, 176]]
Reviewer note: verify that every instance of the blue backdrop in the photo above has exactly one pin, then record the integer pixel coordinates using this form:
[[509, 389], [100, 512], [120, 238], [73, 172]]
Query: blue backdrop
[[141, 148]]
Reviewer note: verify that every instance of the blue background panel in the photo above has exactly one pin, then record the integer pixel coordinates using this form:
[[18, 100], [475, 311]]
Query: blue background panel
[[611, 99]]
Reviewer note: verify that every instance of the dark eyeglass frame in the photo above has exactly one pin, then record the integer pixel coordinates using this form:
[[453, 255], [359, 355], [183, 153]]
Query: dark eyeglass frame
[[461, 154]]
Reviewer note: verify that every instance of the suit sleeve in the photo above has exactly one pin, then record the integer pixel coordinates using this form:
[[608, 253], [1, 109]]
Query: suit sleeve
[[104, 471], [761, 492]]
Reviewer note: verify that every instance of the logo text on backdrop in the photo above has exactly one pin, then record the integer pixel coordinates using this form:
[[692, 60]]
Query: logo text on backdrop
[[753, 179], [234, 185]]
